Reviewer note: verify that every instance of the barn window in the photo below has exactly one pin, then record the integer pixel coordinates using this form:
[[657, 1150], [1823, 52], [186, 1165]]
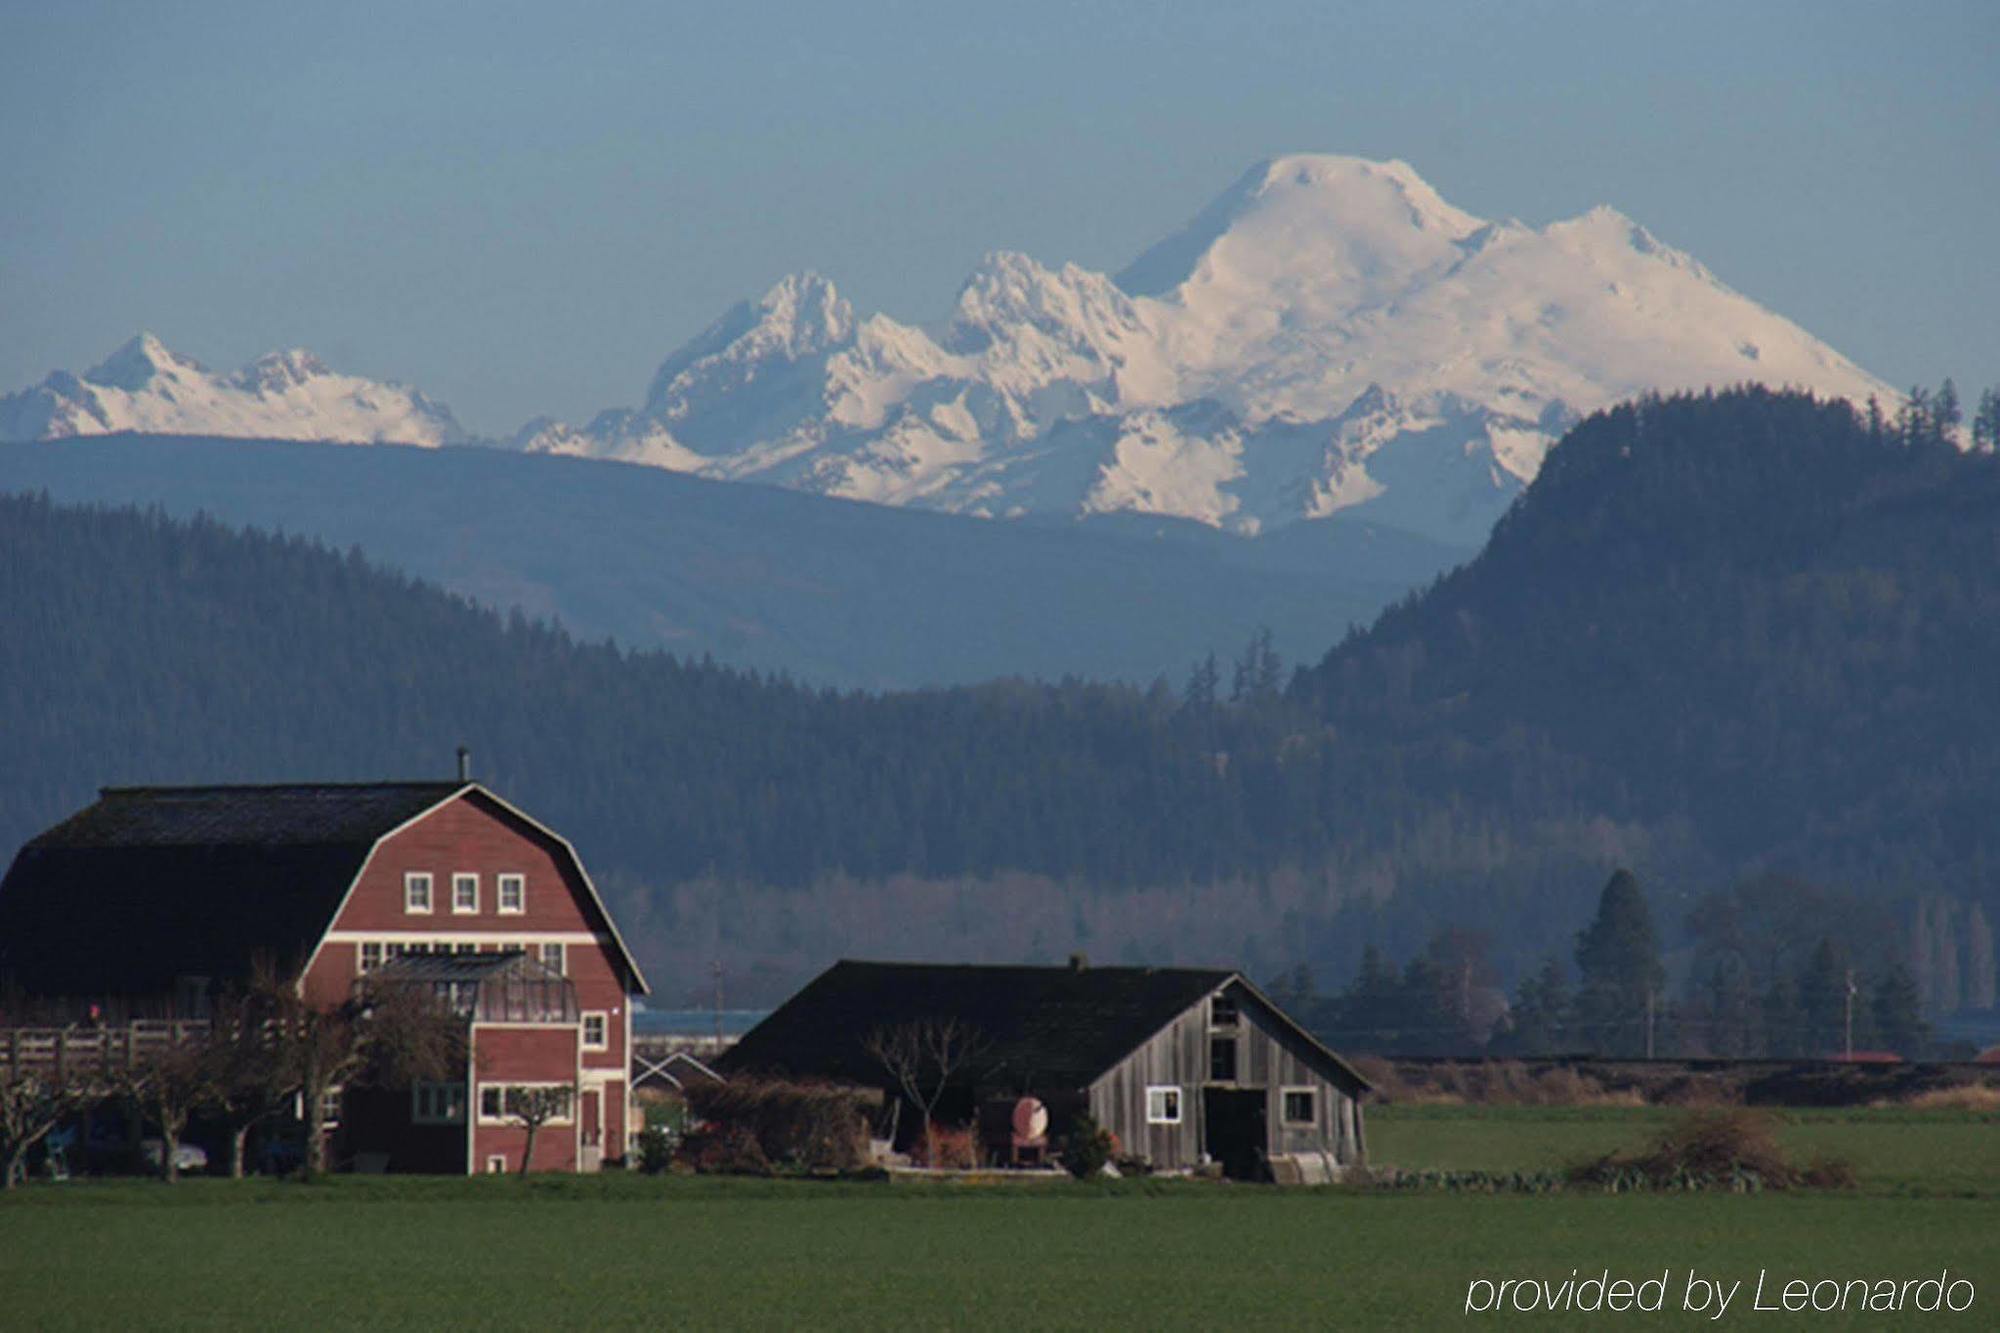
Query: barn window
[[492, 1101], [464, 894], [552, 957], [496, 1165], [1163, 1106], [437, 1103], [513, 894], [371, 957], [595, 1032], [1301, 1106], [1222, 1059], [1222, 1011], [417, 892]]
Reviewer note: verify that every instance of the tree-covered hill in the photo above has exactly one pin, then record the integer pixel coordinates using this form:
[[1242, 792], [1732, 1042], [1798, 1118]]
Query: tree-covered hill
[[1720, 637]]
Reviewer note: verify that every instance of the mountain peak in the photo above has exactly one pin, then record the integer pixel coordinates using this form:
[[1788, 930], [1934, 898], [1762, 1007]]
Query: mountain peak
[[135, 363]]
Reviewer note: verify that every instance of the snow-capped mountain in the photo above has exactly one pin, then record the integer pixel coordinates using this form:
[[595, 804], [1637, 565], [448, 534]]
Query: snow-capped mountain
[[146, 388], [1326, 335]]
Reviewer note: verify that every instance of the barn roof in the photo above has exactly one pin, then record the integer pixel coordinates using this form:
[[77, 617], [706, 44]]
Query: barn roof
[[1047, 1027], [151, 884]]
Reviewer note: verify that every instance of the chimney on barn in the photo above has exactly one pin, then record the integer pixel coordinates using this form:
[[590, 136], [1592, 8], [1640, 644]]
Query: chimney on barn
[[464, 764]]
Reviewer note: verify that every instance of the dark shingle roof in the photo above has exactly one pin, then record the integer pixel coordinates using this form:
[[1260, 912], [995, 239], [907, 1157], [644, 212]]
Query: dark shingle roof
[[155, 883], [1046, 1027]]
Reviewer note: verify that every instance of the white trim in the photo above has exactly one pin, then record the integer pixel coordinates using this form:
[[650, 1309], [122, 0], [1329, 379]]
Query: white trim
[[299, 986], [463, 788], [496, 1164], [506, 1117], [1284, 1117], [458, 878], [411, 880], [596, 898], [1179, 1107], [603, 1017], [467, 934], [500, 882]]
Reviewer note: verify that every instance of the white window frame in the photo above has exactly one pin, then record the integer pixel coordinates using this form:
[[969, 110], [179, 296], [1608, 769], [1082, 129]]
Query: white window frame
[[372, 954], [413, 881], [1159, 1115], [459, 879], [603, 1042], [517, 882], [506, 1117], [437, 1104], [559, 951], [1284, 1111], [332, 1105], [496, 1164]]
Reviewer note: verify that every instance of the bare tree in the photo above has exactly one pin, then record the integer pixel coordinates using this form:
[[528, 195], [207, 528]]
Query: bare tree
[[32, 1103], [533, 1107], [255, 1072], [168, 1086], [922, 1055], [390, 1035]]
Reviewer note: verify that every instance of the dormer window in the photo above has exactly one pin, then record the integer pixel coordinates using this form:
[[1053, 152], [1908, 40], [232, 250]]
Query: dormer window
[[417, 893], [464, 894], [1222, 1011]]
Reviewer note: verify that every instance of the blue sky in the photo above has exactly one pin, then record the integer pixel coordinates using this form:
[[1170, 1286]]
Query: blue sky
[[524, 208]]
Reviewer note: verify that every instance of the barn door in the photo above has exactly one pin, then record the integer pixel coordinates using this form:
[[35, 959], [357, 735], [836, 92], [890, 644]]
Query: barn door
[[590, 1119]]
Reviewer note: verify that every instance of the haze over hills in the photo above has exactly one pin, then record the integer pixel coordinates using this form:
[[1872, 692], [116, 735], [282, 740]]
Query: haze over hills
[[1720, 636], [1328, 336], [827, 590]]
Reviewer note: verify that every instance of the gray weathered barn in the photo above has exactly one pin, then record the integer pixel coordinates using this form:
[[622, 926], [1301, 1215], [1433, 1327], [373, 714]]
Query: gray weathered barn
[[1186, 1066]]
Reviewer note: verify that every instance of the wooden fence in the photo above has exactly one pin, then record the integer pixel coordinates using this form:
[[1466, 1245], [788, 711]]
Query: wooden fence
[[78, 1051]]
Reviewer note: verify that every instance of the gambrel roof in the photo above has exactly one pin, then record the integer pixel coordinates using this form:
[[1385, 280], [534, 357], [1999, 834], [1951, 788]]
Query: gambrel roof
[[151, 884], [1046, 1027]]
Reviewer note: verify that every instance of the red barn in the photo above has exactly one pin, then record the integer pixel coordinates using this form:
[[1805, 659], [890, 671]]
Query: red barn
[[155, 897]]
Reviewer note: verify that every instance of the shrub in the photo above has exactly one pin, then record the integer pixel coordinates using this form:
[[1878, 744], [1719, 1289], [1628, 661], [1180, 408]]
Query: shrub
[[1086, 1147], [656, 1150], [810, 1126], [1731, 1148]]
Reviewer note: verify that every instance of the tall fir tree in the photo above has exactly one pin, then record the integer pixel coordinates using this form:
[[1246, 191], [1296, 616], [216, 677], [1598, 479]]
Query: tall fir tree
[[1619, 969]]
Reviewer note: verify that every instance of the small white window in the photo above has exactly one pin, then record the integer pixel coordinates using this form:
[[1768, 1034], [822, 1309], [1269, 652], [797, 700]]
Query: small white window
[[330, 1107], [496, 1165], [1301, 1106], [596, 1031], [513, 894], [417, 892], [552, 957], [492, 1101], [371, 957], [464, 894], [1163, 1106]]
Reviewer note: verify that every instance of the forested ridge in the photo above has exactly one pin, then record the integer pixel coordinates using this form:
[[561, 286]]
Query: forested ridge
[[1720, 635]]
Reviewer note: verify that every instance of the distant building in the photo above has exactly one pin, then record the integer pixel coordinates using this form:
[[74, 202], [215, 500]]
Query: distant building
[[1186, 1066], [154, 899]]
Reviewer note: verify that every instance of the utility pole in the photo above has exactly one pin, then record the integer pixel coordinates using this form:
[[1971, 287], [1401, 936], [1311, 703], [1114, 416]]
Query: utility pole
[[716, 968], [1649, 1022], [1850, 1015]]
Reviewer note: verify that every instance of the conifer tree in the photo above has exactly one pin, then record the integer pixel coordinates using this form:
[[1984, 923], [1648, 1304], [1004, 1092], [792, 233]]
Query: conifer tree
[[1618, 963]]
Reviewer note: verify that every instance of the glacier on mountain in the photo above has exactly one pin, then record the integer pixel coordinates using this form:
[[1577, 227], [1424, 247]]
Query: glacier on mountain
[[1328, 335]]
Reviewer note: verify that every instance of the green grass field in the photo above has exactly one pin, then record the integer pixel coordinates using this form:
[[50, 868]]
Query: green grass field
[[631, 1251]]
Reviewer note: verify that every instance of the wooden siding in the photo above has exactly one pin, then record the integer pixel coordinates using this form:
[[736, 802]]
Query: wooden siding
[[1268, 1058]]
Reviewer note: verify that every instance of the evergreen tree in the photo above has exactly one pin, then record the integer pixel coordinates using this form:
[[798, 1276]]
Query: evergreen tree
[[1619, 969], [1823, 997], [1541, 1012], [1898, 1017], [1986, 422]]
